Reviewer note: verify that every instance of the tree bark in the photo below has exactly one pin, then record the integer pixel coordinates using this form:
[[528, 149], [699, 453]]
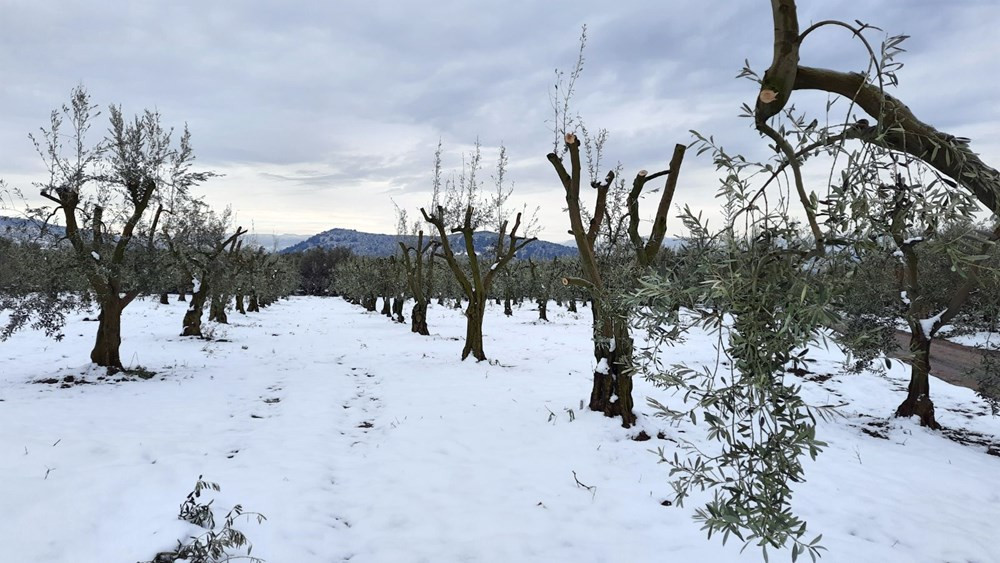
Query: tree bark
[[192, 317], [474, 330], [418, 318], [164, 298], [109, 334], [217, 310], [239, 304], [918, 395], [397, 308], [507, 310], [543, 305], [181, 296], [612, 389]]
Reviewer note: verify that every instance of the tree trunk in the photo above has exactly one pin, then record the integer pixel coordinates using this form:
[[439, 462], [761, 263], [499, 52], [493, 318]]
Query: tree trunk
[[164, 298], [239, 304], [543, 305], [217, 310], [254, 305], [474, 330], [572, 306], [192, 317], [386, 307], [181, 296], [507, 310], [918, 396], [418, 318], [109, 334], [612, 390], [458, 303], [397, 308]]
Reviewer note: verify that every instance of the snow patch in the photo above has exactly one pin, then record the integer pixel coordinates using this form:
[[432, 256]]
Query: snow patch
[[927, 325]]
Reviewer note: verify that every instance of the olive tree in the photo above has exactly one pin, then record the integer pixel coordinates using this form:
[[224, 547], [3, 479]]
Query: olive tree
[[201, 241], [106, 194], [463, 214], [613, 347]]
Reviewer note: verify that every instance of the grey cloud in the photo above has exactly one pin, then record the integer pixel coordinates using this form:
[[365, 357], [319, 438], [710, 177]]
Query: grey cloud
[[321, 97]]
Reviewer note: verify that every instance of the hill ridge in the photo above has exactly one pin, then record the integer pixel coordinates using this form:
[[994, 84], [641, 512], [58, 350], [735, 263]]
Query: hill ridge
[[378, 244]]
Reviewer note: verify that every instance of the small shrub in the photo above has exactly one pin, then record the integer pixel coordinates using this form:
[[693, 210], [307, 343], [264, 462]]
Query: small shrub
[[214, 546]]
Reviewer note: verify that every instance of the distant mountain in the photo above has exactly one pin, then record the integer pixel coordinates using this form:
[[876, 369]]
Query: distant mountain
[[272, 242], [373, 244], [29, 229], [363, 244], [18, 228]]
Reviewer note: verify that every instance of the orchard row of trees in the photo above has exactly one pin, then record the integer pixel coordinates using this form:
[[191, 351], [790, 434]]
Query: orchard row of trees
[[892, 237], [123, 223]]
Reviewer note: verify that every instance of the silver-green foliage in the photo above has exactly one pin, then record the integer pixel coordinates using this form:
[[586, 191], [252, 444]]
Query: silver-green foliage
[[38, 287], [752, 283], [765, 313], [214, 546]]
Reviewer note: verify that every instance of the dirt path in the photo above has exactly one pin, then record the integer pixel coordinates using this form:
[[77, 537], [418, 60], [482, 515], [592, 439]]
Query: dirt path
[[949, 361]]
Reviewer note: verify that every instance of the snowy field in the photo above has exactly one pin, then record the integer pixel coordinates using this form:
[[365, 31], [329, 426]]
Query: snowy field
[[986, 340], [360, 441]]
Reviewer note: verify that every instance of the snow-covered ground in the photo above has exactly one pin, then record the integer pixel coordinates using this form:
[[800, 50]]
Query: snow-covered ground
[[986, 340], [361, 441], [981, 339]]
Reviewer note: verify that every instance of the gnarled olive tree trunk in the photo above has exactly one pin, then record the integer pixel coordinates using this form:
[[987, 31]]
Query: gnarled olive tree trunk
[[192, 317], [418, 318], [474, 314], [217, 309], [109, 333], [918, 393], [612, 389]]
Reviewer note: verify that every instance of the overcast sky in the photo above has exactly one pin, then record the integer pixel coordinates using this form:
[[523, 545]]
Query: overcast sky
[[321, 113]]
